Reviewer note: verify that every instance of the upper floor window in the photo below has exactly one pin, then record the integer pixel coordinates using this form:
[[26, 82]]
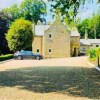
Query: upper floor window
[[50, 35]]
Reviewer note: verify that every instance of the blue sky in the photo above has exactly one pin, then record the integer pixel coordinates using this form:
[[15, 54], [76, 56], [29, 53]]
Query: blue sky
[[85, 12]]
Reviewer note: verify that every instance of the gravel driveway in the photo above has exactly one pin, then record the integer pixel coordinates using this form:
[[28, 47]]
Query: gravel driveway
[[49, 79], [75, 61]]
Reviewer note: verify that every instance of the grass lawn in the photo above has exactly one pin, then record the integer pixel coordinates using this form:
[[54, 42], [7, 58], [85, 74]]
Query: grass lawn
[[50, 83]]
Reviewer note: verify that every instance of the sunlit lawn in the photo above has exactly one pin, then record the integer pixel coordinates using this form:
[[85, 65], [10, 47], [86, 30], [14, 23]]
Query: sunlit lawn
[[82, 82]]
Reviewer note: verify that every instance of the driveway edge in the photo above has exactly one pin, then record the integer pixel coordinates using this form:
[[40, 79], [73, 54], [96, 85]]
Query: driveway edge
[[5, 61], [94, 66]]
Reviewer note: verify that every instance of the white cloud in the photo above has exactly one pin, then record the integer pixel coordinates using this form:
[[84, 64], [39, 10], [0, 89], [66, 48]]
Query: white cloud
[[8, 3], [85, 14], [19, 1]]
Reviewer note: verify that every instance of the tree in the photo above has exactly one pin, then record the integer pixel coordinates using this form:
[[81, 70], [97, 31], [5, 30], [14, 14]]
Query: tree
[[67, 8], [4, 25], [92, 26], [95, 54], [13, 11], [95, 25], [33, 10], [20, 35], [84, 25]]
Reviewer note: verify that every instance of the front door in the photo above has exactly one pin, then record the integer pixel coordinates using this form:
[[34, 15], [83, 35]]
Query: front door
[[74, 52]]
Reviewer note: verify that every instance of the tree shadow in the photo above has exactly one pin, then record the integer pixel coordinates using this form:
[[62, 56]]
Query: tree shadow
[[84, 82]]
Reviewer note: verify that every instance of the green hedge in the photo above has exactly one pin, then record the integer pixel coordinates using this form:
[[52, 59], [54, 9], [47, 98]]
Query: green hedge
[[6, 57]]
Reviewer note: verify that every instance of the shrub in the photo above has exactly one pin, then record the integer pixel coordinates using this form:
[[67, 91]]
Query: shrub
[[95, 55], [6, 57], [20, 35], [92, 53]]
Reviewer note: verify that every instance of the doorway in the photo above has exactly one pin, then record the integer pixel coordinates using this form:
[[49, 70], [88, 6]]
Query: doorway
[[75, 52]]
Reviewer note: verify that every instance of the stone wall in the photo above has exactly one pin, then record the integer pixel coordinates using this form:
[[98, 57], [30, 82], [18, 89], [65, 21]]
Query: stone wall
[[59, 43], [75, 43], [37, 44]]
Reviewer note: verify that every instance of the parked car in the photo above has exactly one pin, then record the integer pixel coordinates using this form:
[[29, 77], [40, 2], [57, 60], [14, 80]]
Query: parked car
[[27, 55]]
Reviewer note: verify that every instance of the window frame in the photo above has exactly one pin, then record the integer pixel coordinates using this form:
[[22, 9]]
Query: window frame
[[50, 50], [38, 50]]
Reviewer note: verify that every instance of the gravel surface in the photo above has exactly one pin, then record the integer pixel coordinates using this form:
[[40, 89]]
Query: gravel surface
[[16, 79]]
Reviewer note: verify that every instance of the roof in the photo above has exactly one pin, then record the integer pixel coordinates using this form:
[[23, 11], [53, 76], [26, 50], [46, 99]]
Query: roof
[[39, 30], [74, 32], [89, 41], [84, 42], [94, 41]]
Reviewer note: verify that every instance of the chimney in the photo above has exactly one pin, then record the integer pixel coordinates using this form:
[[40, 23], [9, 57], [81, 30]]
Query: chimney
[[39, 23], [86, 34], [58, 14]]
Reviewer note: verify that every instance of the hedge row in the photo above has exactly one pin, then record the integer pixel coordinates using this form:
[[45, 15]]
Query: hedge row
[[6, 57]]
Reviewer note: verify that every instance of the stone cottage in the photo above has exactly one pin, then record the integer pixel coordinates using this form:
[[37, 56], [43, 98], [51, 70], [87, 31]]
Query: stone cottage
[[86, 44], [56, 40]]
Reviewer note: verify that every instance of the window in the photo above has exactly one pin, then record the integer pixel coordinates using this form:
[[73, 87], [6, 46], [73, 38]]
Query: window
[[37, 50], [97, 45], [49, 35], [49, 50]]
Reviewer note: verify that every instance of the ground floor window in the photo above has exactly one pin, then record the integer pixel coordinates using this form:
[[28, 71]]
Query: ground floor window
[[97, 45], [49, 50], [37, 50]]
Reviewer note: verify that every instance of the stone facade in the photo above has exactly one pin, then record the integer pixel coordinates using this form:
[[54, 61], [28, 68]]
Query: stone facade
[[56, 41], [75, 45], [37, 45]]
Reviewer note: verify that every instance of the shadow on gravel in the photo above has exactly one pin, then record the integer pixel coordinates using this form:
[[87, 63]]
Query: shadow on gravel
[[82, 82]]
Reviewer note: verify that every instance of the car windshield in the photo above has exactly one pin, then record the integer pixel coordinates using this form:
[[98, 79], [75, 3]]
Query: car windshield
[[26, 52]]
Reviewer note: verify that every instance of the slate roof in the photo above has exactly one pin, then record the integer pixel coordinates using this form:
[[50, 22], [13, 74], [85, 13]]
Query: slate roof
[[89, 41], [93, 41], [39, 30], [84, 42], [74, 32]]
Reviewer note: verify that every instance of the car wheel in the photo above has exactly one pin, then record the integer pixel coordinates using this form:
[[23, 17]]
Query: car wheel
[[19, 58], [37, 58]]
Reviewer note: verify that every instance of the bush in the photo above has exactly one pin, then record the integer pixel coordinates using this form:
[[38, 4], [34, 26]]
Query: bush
[[20, 35], [94, 53], [6, 57]]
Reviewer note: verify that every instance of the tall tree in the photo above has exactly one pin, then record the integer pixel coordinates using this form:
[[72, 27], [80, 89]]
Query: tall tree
[[33, 10], [95, 25], [69, 8], [4, 25], [13, 11], [92, 25]]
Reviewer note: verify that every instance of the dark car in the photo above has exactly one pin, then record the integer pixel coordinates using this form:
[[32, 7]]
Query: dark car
[[27, 55]]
